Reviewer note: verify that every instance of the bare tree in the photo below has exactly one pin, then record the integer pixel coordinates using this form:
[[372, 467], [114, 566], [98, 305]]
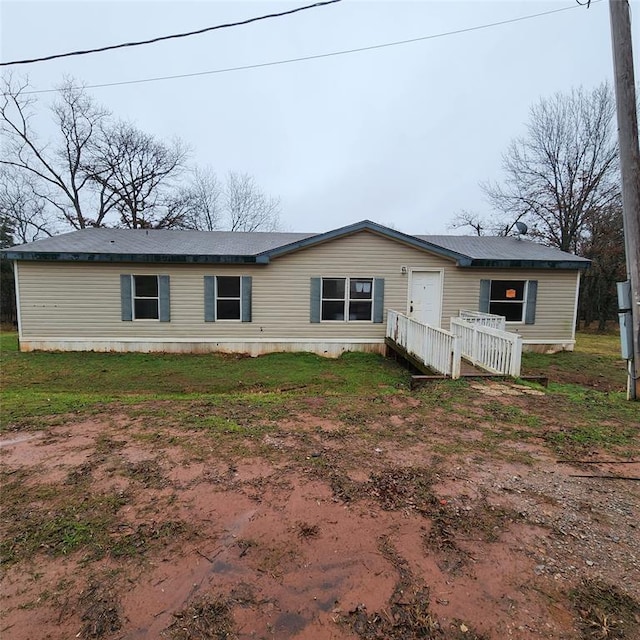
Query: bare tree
[[56, 172], [97, 172], [565, 167], [22, 211], [247, 208], [236, 205], [203, 197], [137, 174], [562, 179], [479, 225]]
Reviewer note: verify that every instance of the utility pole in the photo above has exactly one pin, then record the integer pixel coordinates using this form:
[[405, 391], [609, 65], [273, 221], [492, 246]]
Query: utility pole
[[619, 11]]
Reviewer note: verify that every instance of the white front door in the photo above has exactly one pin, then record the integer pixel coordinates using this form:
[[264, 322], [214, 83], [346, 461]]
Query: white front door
[[425, 297]]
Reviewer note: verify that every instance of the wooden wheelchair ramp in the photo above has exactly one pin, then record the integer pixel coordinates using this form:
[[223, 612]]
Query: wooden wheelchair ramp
[[470, 350]]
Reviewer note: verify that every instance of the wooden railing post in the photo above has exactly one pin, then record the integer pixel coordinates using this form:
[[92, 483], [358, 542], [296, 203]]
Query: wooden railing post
[[516, 357], [456, 357], [475, 356]]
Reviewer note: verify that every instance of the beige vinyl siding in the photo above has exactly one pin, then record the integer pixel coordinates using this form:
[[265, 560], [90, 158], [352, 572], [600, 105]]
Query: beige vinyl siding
[[82, 300], [555, 303]]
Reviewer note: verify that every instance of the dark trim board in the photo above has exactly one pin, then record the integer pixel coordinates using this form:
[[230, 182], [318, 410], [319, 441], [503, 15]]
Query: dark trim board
[[527, 264], [151, 258]]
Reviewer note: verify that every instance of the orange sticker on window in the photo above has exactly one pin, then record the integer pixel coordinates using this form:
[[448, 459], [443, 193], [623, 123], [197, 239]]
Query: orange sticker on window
[[511, 293]]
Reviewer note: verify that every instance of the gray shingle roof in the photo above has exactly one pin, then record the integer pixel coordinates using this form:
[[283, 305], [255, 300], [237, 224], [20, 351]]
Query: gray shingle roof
[[498, 248], [161, 245], [162, 242]]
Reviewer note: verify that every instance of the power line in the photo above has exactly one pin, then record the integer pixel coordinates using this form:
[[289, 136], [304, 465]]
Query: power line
[[170, 37], [317, 56]]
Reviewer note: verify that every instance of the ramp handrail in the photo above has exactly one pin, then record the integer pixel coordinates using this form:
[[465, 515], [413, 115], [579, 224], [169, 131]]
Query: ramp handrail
[[491, 349], [436, 348], [484, 319]]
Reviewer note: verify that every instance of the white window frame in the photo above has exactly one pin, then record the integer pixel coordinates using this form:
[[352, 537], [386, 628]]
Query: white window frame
[[134, 297], [216, 298], [522, 302], [347, 299]]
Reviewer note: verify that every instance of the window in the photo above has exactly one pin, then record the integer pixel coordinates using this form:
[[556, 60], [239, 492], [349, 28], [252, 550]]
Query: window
[[347, 298], [227, 298], [507, 298], [146, 298]]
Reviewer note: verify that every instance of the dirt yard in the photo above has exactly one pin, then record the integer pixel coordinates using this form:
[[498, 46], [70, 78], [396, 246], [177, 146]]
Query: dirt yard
[[390, 519]]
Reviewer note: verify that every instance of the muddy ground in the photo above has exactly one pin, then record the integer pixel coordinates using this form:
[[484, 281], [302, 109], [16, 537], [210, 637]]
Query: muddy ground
[[400, 520]]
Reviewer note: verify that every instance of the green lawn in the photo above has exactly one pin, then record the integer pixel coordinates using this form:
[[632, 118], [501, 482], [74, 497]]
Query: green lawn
[[585, 402], [595, 363], [140, 373], [44, 383]]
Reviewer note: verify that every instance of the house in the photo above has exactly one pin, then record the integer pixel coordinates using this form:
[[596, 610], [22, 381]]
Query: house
[[198, 291]]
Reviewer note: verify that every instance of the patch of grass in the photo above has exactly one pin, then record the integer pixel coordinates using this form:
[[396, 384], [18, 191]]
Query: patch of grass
[[592, 436], [593, 418], [8, 341], [55, 520], [595, 362], [68, 518], [81, 474], [510, 413], [35, 386], [21, 406], [601, 343], [605, 612], [61, 532], [445, 394], [144, 373]]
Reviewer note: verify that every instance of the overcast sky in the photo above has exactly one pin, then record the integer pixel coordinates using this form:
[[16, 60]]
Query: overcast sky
[[400, 135]]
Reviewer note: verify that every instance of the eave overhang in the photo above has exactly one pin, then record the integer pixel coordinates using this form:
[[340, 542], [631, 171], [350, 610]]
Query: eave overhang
[[528, 264], [149, 258]]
